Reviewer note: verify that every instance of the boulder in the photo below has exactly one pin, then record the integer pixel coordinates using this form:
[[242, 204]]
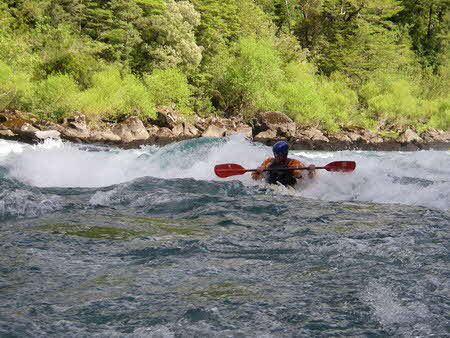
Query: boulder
[[48, 134], [313, 134], [409, 136], [214, 131], [178, 129], [247, 131], [433, 135], [265, 136], [355, 137], [166, 118], [190, 130], [6, 133], [76, 122], [104, 135], [277, 121], [132, 129], [164, 136]]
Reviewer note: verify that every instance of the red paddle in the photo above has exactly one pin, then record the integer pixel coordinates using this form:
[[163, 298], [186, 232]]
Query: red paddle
[[231, 169]]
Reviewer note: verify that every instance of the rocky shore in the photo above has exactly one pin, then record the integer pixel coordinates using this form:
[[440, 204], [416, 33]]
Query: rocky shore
[[168, 127]]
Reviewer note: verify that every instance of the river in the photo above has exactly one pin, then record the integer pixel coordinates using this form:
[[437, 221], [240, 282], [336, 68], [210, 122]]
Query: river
[[106, 242]]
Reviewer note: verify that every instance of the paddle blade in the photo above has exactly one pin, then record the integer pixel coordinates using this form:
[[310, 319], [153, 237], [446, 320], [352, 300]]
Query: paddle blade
[[342, 166], [229, 169]]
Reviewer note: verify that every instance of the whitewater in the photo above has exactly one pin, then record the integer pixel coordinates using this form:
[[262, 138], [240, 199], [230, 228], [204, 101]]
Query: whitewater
[[103, 241]]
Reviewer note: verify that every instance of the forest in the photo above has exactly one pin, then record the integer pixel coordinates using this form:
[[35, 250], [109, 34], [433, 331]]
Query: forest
[[377, 64]]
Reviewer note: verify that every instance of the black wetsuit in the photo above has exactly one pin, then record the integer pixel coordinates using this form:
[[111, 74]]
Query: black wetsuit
[[285, 177]]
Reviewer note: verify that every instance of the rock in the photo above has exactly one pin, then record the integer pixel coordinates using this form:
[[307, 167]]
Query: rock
[[132, 129], [190, 130], [166, 118], [409, 136], [281, 123], [340, 137], [48, 125], [214, 131], [201, 124], [28, 128], [75, 135], [265, 136], [246, 131], [7, 133], [314, 134], [433, 135], [76, 122], [48, 134], [164, 136], [104, 135], [355, 137], [178, 129]]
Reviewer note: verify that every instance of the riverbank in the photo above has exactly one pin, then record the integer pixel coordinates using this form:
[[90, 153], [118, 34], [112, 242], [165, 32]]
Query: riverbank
[[169, 127]]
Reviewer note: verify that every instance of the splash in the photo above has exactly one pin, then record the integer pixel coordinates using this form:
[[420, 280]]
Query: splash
[[417, 178]]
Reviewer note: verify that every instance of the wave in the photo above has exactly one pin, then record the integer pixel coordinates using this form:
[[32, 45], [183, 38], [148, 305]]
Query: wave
[[415, 178]]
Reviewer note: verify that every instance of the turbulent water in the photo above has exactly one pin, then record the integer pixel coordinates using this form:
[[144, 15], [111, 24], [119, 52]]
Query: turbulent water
[[148, 242]]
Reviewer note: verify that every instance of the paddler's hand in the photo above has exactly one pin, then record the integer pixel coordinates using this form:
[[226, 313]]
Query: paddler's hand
[[311, 170], [256, 175]]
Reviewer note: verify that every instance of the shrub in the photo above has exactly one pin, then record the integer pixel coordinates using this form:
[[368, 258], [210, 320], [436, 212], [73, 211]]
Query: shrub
[[251, 80], [317, 101], [55, 96], [15, 89], [113, 95], [440, 114], [168, 86]]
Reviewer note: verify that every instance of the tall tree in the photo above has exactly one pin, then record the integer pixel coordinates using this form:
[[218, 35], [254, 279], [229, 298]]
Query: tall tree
[[428, 23], [353, 36]]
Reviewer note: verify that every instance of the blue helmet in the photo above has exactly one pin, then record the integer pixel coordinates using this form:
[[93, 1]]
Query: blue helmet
[[280, 147]]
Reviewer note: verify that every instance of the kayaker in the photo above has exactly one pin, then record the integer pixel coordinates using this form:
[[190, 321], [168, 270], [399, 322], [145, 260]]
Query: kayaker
[[281, 160]]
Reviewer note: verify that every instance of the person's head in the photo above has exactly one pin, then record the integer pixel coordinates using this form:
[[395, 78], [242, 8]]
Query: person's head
[[280, 150]]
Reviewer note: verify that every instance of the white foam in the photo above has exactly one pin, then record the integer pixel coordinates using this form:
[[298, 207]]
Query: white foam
[[59, 164], [395, 317]]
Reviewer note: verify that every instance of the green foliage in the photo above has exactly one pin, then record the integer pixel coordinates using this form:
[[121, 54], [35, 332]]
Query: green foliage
[[168, 86], [373, 63], [439, 114], [219, 25], [62, 52], [397, 99], [254, 22], [113, 95], [15, 89], [250, 77], [171, 37], [55, 97], [322, 102], [428, 25]]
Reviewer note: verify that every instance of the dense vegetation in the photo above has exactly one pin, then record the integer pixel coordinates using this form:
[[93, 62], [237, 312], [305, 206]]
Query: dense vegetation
[[327, 63]]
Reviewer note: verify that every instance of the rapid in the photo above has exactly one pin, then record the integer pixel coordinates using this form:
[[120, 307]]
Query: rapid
[[102, 241]]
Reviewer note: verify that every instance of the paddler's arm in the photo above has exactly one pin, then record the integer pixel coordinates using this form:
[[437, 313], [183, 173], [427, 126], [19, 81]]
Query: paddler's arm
[[298, 173], [257, 175]]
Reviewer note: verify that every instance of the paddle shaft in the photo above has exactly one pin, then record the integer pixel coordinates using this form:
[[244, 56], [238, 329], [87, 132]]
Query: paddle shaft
[[231, 169], [284, 169]]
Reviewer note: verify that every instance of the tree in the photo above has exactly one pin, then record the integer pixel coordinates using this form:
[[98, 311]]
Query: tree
[[169, 39], [428, 23], [354, 36]]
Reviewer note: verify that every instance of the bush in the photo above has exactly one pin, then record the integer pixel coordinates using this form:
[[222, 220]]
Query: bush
[[15, 89], [317, 101], [440, 114], [168, 86], [113, 95], [56, 96], [251, 79]]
